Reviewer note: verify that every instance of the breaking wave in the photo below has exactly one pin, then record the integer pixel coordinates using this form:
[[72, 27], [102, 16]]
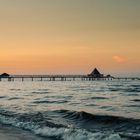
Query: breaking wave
[[103, 127]]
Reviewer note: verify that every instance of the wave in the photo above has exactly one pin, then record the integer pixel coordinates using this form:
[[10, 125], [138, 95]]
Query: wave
[[14, 89], [135, 86], [15, 98], [75, 134], [134, 106], [1, 97], [130, 136], [43, 124], [50, 102], [125, 90], [40, 92], [136, 100], [96, 98], [102, 122]]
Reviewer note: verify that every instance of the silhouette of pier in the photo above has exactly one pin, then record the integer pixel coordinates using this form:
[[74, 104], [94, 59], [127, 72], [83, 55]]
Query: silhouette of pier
[[93, 76], [55, 77]]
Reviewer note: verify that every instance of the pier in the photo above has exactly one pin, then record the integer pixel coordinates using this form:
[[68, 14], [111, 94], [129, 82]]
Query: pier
[[63, 78], [53, 78], [95, 75]]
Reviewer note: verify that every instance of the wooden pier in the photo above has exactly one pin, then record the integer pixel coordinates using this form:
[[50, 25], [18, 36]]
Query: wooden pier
[[53, 78], [63, 78], [95, 75]]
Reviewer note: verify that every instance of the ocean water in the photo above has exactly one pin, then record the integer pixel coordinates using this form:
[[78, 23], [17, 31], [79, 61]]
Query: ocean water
[[72, 110]]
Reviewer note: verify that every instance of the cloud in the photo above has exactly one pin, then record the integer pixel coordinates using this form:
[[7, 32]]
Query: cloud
[[118, 59]]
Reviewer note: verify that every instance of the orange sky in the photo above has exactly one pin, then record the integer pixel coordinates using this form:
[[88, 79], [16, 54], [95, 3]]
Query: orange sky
[[45, 37]]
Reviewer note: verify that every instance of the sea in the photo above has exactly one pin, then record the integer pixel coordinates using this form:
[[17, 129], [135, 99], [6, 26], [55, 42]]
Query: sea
[[71, 110]]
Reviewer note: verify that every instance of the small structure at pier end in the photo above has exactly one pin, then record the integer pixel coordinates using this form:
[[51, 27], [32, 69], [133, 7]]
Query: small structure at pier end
[[4, 75], [96, 74]]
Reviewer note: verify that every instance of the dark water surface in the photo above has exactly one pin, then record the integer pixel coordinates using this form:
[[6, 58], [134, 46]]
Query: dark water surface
[[73, 110]]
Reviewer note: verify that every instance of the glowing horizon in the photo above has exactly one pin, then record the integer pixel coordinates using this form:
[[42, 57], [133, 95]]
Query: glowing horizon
[[50, 37]]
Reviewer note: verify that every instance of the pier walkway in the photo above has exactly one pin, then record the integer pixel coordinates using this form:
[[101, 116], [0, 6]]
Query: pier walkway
[[64, 78], [94, 75]]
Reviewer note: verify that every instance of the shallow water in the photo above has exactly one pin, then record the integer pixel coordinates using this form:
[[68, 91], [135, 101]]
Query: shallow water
[[73, 110]]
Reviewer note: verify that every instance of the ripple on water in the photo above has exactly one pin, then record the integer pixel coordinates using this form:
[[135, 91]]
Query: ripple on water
[[136, 100], [98, 98], [133, 106], [1, 97], [14, 89], [50, 102], [15, 98], [40, 92]]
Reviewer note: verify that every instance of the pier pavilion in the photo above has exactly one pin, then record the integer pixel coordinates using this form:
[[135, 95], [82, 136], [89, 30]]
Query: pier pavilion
[[96, 74]]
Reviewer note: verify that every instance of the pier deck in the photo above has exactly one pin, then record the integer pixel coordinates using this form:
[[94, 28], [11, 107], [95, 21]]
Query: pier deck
[[64, 78]]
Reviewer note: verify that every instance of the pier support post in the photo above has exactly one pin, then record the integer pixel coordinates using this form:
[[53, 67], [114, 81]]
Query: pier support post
[[9, 79], [32, 79]]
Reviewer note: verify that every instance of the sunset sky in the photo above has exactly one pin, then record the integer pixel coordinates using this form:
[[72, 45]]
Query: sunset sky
[[70, 36]]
